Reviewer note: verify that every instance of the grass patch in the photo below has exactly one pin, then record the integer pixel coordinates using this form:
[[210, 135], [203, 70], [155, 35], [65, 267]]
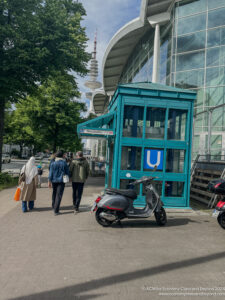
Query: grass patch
[[7, 181]]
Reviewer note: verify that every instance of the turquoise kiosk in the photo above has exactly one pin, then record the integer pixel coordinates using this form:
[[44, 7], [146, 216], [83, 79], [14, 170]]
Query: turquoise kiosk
[[148, 124]]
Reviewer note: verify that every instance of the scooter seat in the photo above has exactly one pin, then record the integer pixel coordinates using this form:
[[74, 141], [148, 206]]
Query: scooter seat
[[127, 193]]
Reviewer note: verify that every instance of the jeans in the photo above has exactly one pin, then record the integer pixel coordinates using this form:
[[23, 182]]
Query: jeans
[[77, 193], [57, 193], [30, 205]]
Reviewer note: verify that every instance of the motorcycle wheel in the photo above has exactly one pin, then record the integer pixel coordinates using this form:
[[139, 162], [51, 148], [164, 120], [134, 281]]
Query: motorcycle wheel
[[160, 217], [221, 220], [102, 221]]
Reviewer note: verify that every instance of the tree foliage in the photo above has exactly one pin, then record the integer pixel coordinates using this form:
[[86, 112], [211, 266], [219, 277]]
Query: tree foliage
[[18, 129], [37, 38], [50, 117]]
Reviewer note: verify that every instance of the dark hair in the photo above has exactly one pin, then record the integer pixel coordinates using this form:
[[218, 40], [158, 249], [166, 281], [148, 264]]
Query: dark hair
[[59, 153], [80, 154]]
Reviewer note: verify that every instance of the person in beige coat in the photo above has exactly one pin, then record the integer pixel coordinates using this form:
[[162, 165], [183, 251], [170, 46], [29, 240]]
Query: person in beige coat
[[29, 185]]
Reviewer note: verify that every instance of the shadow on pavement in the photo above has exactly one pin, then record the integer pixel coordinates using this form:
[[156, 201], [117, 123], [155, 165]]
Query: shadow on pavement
[[73, 292], [50, 208], [152, 223], [83, 208]]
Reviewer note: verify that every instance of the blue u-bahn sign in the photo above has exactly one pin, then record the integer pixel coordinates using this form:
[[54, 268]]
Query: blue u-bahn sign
[[153, 157]]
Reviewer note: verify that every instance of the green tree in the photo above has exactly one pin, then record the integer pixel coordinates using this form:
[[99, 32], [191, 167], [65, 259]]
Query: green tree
[[18, 130], [37, 38], [53, 115]]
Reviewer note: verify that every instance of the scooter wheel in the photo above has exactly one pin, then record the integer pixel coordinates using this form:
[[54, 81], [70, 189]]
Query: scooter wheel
[[160, 217], [221, 220], [100, 220]]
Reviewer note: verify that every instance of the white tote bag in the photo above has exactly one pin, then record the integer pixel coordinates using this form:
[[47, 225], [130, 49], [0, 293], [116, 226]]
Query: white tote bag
[[66, 178]]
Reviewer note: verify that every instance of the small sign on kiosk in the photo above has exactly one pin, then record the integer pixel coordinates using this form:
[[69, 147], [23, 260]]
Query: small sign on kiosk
[[153, 157]]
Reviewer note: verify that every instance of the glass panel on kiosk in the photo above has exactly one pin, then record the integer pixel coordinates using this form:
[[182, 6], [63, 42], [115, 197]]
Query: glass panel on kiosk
[[110, 158], [133, 121], [157, 185], [174, 189], [175, 160], [177, 122], [125, 185], [155, 123], [131, 158]]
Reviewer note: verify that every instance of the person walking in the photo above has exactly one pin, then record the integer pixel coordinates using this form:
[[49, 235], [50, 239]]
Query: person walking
[[79, 172], [28, 180], [40, 172], [52, 159], [58, 169]]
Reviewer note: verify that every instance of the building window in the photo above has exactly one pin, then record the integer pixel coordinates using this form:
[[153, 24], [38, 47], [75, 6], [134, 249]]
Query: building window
[[174, 189], [215, 3], [190, 79], [157, 185], [191, 24], [216, 37], [175, 160], [133, 121], [155, 123], [191, 42], [187, 8], [131, 158], [215, 76], [177, 124], [214, 96], [216, 17], [191, 60]]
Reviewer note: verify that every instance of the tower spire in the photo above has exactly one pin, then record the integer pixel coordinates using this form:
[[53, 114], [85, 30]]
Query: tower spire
[[92, 83], [95, 45]]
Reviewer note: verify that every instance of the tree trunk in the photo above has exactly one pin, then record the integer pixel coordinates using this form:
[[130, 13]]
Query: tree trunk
[[2, 114]]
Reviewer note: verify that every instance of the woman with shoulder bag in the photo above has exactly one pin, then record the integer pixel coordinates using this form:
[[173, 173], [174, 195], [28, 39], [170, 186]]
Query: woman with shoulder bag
[[28, 181], [58, 176]]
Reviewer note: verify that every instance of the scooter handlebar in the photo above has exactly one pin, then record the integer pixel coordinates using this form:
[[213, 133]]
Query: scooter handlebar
[[143, 179]]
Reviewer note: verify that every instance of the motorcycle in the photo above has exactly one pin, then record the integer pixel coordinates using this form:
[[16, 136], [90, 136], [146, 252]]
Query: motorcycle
[[218, 187], [117, 204]]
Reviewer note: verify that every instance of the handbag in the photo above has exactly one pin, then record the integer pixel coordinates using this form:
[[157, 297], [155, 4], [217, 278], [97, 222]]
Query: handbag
[[66, 178], [17, 194], [22, 177]]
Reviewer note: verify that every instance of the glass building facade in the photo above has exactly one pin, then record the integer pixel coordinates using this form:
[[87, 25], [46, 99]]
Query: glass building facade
[[192, 56]]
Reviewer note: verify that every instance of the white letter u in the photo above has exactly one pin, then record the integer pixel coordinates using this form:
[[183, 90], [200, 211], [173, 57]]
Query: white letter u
[[149, 159]]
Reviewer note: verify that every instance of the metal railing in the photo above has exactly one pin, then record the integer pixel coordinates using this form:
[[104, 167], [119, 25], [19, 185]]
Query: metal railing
[[209, 158]]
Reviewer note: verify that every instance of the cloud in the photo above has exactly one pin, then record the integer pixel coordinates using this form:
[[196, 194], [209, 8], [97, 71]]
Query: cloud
[[107, 16]]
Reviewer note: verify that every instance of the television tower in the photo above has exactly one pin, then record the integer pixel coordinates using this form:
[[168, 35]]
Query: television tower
[[92, 83]]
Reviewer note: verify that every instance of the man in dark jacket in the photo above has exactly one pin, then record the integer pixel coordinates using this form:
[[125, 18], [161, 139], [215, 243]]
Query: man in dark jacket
[[79, 171], [58, 169]]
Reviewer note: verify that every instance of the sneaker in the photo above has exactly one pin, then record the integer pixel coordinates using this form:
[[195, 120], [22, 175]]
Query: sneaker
[[56, 214]]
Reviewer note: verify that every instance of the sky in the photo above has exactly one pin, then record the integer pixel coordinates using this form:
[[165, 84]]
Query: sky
[[107, 17]]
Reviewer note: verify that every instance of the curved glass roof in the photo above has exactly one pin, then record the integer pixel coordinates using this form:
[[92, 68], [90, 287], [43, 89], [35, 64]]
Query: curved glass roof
[[124, 41]]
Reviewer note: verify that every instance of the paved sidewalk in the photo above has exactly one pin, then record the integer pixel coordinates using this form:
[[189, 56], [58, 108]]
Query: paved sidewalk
[[69, 256]]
